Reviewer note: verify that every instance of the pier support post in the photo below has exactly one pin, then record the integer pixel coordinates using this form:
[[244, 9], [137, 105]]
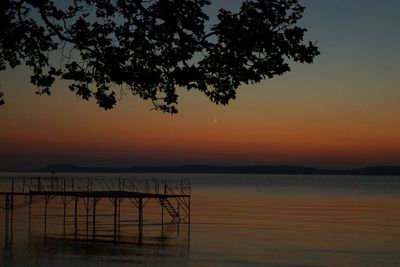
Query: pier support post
[[7, 207], [12, 213], [12, 206], [8, 220], [162, 217], [140, 206], [64, 214], [119, 217], [65, 206], [30, 213], [76, 217], [45, 215], [87, 206], [94, 220], [115, 202], [189, 223], [179, 221]]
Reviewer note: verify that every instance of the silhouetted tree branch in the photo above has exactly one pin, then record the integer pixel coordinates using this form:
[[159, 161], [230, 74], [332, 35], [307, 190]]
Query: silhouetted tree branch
[[151, 46]]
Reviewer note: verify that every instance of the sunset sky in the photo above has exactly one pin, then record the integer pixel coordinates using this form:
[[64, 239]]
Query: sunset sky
[[342, 111]]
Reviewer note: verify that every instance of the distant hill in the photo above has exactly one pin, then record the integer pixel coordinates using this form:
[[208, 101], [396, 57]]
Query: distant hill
[[378, 170], [250, 169]]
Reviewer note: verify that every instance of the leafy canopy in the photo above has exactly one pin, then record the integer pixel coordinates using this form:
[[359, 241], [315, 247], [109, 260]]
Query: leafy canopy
[[151, 47]]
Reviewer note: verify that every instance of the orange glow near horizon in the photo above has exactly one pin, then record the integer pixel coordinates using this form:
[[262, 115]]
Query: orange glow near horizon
[[341, 111], [50, 130]]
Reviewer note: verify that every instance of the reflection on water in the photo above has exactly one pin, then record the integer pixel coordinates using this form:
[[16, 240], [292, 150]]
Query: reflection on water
[[251, 220], [60, 252]]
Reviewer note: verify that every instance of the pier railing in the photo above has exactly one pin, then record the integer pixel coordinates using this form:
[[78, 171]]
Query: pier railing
[[28, 185]]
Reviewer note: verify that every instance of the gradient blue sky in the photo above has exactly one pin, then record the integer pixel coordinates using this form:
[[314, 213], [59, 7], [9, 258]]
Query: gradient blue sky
[[342, 111]]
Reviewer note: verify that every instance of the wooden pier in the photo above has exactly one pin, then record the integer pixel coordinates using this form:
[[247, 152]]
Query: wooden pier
[[173, 196]]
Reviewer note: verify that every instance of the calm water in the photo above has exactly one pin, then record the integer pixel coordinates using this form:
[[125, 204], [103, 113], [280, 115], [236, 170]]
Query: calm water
[[237, 220]]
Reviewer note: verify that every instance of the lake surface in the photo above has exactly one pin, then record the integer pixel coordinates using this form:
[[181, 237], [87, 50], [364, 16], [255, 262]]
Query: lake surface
[[237, 220]]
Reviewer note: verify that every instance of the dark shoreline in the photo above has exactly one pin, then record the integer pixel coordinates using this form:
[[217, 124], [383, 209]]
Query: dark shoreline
[[234, 169]]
